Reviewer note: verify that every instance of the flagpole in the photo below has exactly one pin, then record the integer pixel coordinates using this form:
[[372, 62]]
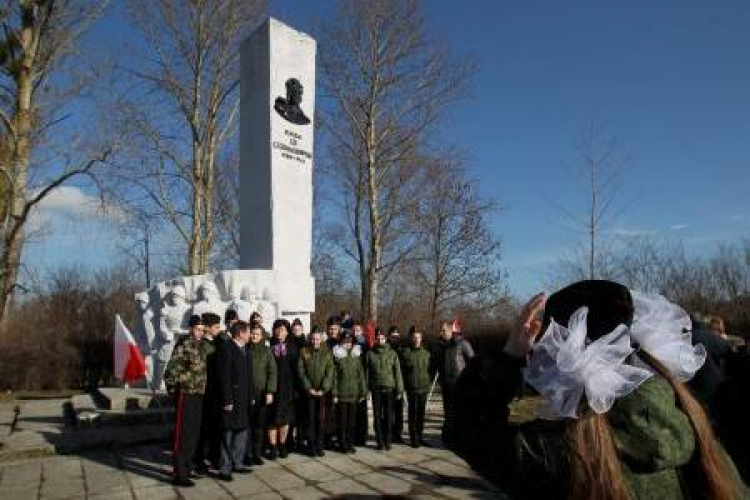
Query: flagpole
[[432, 388]]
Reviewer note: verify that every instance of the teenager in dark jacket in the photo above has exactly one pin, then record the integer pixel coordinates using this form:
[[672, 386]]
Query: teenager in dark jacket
[[396, 343], [449, 360], [385, 384], [361, 419], [298, 333], [417, 380], [334, 332], [264, 372], [209, 439], [298, 430], [619, 425], [236, 396], [316, 374], [281, 413], [349, 388]]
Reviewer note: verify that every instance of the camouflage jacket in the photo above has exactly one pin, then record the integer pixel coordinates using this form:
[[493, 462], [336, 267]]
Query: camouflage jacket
[[186, 370]]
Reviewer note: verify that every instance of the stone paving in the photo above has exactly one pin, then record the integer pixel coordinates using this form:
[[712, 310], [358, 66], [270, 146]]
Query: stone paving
[[142, 472]]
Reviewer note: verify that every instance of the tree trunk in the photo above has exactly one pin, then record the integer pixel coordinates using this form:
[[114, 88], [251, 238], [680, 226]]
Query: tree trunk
[[376, 248], [11, 257], [194, 250], [208, 207]]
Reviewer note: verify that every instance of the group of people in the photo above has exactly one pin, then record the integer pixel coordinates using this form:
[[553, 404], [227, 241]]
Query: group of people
[[243, 398]]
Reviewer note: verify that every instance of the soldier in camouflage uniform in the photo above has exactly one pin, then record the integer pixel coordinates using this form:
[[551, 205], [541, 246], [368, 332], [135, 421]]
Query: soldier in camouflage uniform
[[186, 379]]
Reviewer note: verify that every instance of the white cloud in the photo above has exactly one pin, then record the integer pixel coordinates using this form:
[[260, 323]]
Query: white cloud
[[679, 227], [631, 232], [71, 201], [738, 217], [69, 208]]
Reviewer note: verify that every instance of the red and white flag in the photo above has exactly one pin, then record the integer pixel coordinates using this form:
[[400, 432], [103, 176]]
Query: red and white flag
[[129, 362]]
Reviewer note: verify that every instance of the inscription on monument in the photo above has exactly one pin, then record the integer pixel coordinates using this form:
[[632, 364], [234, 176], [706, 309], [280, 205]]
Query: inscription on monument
[[292, 148]]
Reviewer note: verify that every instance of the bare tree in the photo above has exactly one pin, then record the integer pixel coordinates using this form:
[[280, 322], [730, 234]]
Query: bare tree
[[37, 80], [457, 258], [390, 85], [599, 176], [227, 210], [181, 111], [138, 234]]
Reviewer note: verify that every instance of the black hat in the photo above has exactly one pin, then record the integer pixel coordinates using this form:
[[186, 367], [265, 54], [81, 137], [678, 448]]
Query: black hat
[[296, 322], [211, 319], [610, 305], [230, 315]]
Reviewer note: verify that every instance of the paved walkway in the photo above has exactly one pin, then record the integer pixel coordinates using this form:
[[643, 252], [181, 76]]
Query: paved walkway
[[142, 472]]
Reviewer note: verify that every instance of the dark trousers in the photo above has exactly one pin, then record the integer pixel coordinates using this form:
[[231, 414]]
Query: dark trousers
[[382, 408], [316, 422], [398, 419], [417, 406], [187, 425], [361, 424], [209, 438], [346, 425], [449, 420], [330, 430], [298, 430], [256, 435], [232, 449]]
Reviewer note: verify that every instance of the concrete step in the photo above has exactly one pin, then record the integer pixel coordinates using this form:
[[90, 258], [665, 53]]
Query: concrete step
[[112, 407], [121, 399]]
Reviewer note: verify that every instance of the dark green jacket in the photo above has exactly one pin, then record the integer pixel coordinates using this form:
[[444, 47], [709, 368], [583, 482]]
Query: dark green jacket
[[416, 369], [383, 369], [316, 369], [529, 460], [264, 368], [349, 379]]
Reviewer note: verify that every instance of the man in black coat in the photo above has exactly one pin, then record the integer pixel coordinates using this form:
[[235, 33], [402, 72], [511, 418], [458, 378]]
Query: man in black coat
[[450, 359], [236, 391], [209, 439]]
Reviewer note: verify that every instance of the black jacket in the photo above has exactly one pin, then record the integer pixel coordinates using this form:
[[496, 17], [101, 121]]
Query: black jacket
[[450, 359], [235, 384]]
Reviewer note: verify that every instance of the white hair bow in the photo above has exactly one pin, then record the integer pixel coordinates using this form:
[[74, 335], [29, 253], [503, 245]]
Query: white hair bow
[[564, 366], [663, 329]]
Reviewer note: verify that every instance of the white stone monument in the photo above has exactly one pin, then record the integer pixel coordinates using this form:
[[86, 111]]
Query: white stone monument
[[277, 110]]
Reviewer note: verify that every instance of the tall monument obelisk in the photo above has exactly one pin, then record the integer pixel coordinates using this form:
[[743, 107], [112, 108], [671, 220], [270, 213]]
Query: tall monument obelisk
[[276, 145], [276, 155]]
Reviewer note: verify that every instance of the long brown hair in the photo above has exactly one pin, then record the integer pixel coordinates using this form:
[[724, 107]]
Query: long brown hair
[[595, 471], [719, 480]]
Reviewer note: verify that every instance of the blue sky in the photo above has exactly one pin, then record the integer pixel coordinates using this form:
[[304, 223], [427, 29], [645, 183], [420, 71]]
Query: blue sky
[[669, 79]]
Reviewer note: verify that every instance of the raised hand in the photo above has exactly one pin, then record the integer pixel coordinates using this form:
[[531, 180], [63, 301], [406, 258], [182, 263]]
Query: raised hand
[[527, 328]]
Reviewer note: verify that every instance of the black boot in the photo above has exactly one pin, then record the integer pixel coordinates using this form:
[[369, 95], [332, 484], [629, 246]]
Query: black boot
[[282, 451], [273, 453]]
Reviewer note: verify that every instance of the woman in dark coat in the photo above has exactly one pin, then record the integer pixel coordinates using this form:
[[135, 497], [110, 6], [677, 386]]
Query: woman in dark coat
[[281, 412]]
